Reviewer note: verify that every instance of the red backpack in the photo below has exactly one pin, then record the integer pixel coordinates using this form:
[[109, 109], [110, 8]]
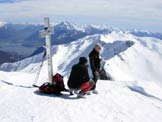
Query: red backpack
[[59, 81], [56, 87]]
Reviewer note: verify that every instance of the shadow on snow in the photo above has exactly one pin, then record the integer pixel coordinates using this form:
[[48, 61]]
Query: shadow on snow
[[62, 95], [11, 84], [142, 91]]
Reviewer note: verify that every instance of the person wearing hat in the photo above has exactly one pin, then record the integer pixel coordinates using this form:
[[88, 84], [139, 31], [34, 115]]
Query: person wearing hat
[[79, 79], [95, 60]]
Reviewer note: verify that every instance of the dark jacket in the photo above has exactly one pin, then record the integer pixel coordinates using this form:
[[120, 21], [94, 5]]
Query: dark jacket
[[94, 60], [78, 76]]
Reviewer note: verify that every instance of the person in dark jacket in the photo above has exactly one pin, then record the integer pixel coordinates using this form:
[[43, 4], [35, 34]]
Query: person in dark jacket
[[95, 59], [79, 78]]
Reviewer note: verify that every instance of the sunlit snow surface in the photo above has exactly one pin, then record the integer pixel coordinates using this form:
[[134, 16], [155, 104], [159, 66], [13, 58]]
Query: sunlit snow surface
[[134, 95]]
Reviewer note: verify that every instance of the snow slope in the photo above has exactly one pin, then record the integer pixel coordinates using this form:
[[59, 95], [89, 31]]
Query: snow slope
[[116, 102], [134, 95], [143, 61]]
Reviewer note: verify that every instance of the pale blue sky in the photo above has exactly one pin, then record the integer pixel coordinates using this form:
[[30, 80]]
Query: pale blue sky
[[140, 14]]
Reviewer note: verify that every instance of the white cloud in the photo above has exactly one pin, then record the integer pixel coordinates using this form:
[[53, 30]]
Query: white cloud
[[130, 11], [1, 23]]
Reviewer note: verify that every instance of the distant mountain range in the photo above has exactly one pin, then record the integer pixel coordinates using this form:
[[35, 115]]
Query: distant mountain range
[[23, 40]]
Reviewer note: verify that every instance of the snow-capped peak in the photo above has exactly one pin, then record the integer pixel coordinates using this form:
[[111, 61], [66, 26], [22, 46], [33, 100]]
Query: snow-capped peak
[[84, 28], [65, 25]]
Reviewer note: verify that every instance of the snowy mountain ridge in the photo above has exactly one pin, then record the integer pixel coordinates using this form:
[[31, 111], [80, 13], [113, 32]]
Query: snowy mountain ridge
[[29, 43], [134, 95], [120, 50]]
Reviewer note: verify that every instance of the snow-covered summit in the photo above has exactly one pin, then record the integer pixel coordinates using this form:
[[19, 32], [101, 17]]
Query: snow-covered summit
[[116, 102], [134, 95]]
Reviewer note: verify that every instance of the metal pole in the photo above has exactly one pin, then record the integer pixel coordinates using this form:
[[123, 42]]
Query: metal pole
[[47, 29]]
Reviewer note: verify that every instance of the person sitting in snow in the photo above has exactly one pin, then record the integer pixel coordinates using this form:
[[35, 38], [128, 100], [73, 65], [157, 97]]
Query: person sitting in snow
[[79, 78], [95, 60]]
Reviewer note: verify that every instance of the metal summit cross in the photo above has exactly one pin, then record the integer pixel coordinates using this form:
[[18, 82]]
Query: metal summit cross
[[47, 32]]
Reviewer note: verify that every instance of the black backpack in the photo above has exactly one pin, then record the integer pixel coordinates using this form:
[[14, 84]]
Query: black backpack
[[104, 75]]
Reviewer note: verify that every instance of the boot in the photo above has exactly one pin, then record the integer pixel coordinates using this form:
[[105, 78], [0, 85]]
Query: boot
[[81, 94], [94, 91]]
